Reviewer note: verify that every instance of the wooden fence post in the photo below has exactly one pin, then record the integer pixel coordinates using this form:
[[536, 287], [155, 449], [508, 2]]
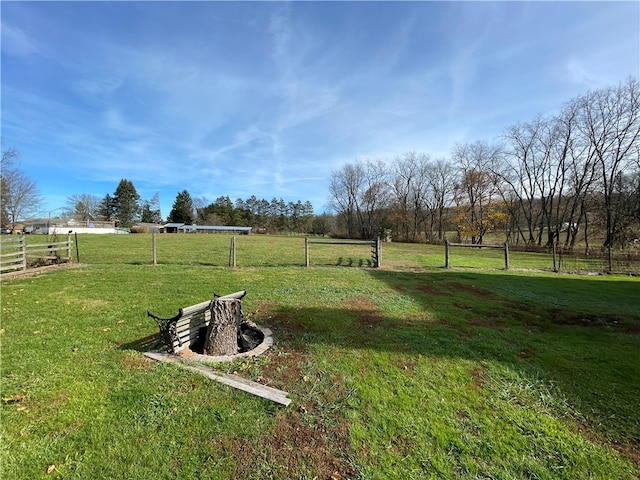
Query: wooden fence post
[[232, 252], [560, 257], [378, 263], [69, 247], [306, 251], [506, 256], [446, 253], [75, 234], [23, 252], [153, 243]]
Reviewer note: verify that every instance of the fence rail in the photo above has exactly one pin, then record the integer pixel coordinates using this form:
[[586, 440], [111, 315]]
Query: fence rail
[[15, 252]]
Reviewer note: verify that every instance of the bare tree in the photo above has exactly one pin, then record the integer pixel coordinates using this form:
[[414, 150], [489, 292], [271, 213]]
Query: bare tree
[[83, 207], [554, 142], [5, 166], [360, 195], [375, 198], [20, 195], [408, 191], [345, 187], [476, 192], [442, 179], [610, 121], [579, 173]]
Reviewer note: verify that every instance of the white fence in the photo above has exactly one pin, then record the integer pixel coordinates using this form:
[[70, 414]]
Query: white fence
[[98, 230]]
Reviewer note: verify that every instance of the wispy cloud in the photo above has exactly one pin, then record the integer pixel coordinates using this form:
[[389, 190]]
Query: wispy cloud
[[15, 41]]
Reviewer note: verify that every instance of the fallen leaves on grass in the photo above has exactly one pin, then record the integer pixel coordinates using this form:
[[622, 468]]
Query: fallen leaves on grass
[[14, 399], [50, 469]]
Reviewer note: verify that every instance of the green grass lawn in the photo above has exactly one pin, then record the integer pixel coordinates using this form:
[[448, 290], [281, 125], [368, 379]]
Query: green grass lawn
[[408, 371]]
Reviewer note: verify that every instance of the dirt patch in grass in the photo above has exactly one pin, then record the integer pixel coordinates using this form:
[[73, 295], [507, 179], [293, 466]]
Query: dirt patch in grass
[[479, 376], [310, 437], [360, 302], [566, 317], [366, 309], [477, 292], [478, 319], [486, 322], [137, 362], [295, 446], [284, 368], [629, 450], [406, 364], [369, 320], [517, 306], [431, 290]]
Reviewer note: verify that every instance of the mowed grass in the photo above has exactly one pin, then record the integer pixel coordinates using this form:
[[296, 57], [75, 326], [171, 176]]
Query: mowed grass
[[408, 371]]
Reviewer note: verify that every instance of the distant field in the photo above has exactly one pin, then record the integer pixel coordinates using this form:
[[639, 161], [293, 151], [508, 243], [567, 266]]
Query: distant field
[[407, 371]]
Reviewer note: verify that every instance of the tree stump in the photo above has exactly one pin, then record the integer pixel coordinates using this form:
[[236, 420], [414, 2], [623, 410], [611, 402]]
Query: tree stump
[[222, 333]]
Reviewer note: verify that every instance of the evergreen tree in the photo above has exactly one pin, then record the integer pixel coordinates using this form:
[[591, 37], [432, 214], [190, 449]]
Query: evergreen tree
[[126, 200], [182, 210], [107, 208]]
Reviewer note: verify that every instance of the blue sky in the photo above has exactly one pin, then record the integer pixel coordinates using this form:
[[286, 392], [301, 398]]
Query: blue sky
[[268, 98]]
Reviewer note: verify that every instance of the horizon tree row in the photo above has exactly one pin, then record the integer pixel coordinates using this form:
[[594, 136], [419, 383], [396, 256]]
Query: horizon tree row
[[126, 207], [274, 216], [556, 179]]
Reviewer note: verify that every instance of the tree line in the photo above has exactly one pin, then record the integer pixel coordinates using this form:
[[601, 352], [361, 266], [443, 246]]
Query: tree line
[[561, 178], [273, 216], [127, 208]]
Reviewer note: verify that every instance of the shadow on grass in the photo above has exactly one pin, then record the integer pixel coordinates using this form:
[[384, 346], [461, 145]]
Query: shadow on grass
[[579, 336], [150, 342]]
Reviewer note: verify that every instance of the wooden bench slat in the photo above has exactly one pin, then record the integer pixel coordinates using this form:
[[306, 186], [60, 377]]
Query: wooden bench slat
[[235, 296], [195, 308]]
